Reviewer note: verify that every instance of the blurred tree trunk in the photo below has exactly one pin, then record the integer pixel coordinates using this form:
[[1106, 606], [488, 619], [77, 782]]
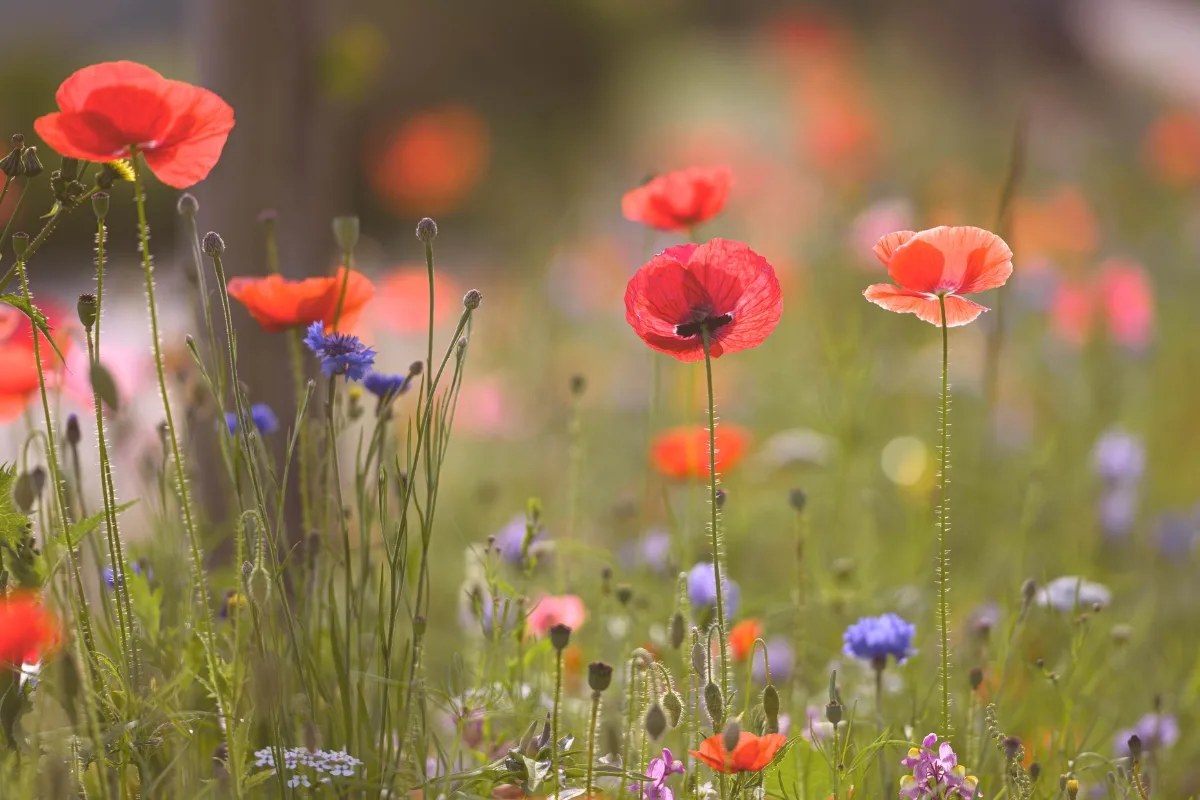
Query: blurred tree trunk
[[264, 58]]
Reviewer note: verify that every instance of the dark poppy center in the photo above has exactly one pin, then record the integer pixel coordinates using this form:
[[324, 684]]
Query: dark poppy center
[[689, 329]]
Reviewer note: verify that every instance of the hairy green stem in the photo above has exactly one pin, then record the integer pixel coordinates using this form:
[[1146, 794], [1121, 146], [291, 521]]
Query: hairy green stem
[[943, 576], [558, 680], [713, 522], [591, 760]]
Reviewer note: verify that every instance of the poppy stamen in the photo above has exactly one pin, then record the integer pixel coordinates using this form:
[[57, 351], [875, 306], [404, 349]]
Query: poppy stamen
[[689, 329]]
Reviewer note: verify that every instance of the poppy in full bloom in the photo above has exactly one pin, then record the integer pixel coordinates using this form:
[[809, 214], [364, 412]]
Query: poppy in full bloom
[[676, 201], [106, 109], [682, 453], [742, 637], [722, 287], [277, 303], [752, 754], [943, 262], [28, 630], [567, 609]]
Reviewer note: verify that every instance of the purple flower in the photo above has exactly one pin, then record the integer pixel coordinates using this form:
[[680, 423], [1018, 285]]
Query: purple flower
[[1119, 457], [1118, 507], [386, 386], [658, 772], [1176, 534], [702, 589], [1157, 731], [875, 638], [340, 353], [781, 657], [110, 576], [261, 416], [936, 774], [1061, 594], [510, 540]]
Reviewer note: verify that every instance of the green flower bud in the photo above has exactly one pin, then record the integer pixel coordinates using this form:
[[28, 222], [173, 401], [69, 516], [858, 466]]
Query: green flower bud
[[69, 170], [472, 299], [674, 708], [260, 586], [30, 162], [599, 676], [730, 736], [560, 637], [714, 704], [20, 242], [346, 232], [678, 631], [656, 721], [426, 230], [770, 701], [100, 204]]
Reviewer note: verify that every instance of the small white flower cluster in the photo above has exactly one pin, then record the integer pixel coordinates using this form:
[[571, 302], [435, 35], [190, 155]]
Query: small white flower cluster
[[327, 764]]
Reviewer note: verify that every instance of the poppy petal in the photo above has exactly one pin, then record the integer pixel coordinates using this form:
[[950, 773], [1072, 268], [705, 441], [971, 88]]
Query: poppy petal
[[712, 752], [677, 200], [888, 244], [966, 260], [73, 93], [191, 147], [959, 310]]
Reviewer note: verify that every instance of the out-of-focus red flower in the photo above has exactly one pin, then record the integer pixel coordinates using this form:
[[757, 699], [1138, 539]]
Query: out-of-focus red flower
[[1061, 225], [947, 262], [28, 630], [19, 366], [403, 305], [723, 287], [277, 303], [752, 754], [1171, 148], [742, 636], [432, 161], [1122, 293], [551, 610], [682, 453], [105, 109], [677, 201]]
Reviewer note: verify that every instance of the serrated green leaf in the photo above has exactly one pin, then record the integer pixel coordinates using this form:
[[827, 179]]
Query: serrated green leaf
[[104, 386], [12, 521], [35, 316], [84, 527]]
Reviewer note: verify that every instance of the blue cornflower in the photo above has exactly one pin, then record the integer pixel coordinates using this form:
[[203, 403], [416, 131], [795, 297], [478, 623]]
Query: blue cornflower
[[702, 589], [875, 638], [510, 540], [386, 386], [261, 415], [340, 353], [110, 575]]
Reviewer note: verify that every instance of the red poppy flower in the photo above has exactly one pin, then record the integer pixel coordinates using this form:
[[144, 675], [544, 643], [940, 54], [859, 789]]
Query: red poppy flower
[[277, 303], [722, 286], [742, 637], [676, 201], [18, 365], [946, 262], [681, 453], [1123, 295], [28, 631], [107, 108], [752, 753]]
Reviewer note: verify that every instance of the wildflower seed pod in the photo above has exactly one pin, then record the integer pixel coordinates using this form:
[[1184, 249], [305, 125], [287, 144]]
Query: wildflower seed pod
[[975, 678], [624, 594], [74, 435], [10, 165], [797, 499], [87, 310], [560, 637], [833, 713], [697, 659], [578, 385], [656, 722], [100, 205], [472, 299], [213, 245], [714, 704], [1035, 771], [599, 676], [345, 232], [30, 163], [20, 241], [1135, 746], [26, 491], [674, 708], [260, 586], [678, 631], [427, 230], [730, 735]]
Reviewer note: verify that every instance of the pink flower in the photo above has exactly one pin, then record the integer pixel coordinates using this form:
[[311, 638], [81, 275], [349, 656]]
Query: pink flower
[[1122, 295], [551, 610]]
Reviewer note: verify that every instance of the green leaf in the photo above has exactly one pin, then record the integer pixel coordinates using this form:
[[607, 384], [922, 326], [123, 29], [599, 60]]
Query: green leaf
[[104, 386], [12, 521], [147, 604], [84, 527], [35, 316]]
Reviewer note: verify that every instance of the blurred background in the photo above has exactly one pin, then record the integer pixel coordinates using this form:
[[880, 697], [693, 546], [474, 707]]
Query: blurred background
[[519, 125]]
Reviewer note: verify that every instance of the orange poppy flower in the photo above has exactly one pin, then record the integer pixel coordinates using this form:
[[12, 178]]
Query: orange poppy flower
[[940, 262], [18, 366], [277, 303], [741, 638], [404, 300], [682, 453], [28, 630], [752, 753], [1172, 148]]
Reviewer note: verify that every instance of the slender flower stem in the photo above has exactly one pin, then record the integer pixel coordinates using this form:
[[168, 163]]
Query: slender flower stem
[[558, 680], [943, 567], [591, 761], [713, 529], [185, 503]]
